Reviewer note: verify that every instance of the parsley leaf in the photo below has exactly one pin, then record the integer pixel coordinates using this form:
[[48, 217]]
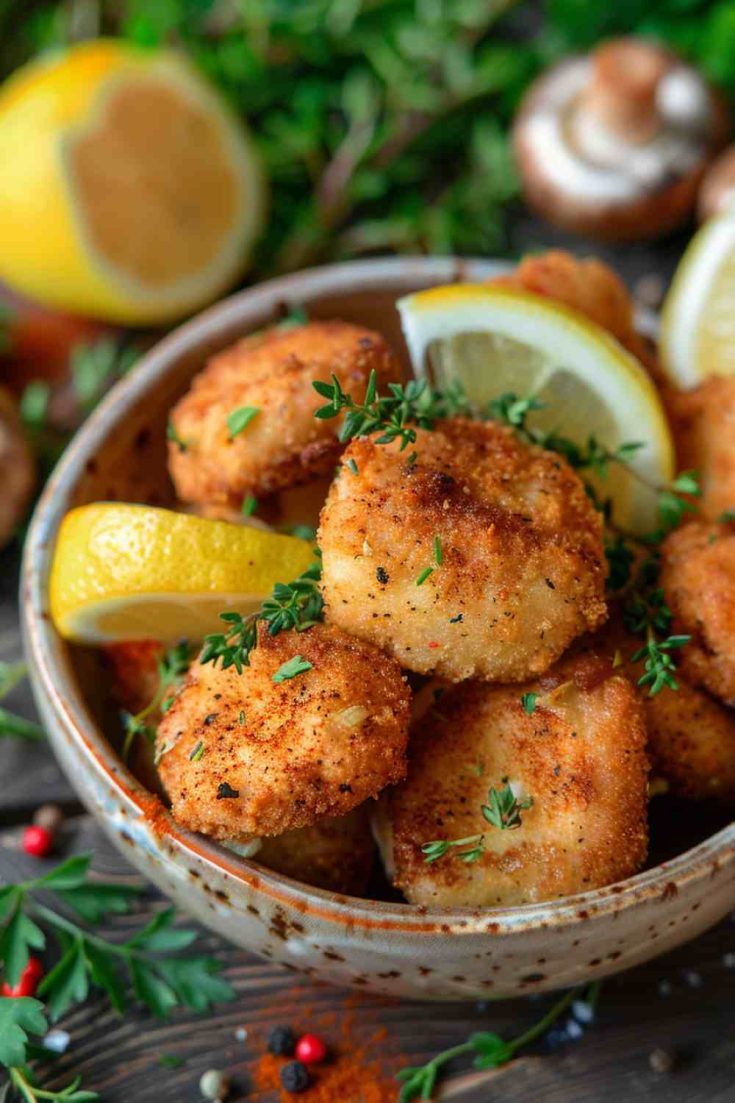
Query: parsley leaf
[[291, 669], [528, 700], [19, 1017], [239, 419]]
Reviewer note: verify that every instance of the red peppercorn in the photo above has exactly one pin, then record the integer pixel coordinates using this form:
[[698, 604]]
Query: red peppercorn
[[37, 840], [310, 1049], [29, 980]]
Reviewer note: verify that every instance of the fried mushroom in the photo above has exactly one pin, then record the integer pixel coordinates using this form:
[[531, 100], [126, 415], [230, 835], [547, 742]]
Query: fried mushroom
[[480, 557], [579, 754], [214, 463], [263, 752]]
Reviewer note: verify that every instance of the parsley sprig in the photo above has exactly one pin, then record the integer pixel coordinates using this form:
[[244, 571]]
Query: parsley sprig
[[489, 1049], [160, 981], [395, 415], [172, 666], [295, 605], [20, 1017], [502, 811]]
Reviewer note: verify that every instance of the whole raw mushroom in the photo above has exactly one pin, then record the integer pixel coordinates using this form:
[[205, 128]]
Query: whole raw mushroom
[[17, 469], [614, 145]]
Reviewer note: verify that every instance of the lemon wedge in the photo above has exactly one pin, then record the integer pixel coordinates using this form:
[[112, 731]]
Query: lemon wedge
[[495, 340], [130, 192], [127, 572], [698, 320]]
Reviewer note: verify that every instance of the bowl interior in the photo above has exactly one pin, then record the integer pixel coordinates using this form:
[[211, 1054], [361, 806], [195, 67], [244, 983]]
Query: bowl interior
[[121, 452]]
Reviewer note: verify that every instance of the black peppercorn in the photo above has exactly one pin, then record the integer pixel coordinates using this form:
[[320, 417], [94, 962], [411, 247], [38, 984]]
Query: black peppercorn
[[295, 1077], [282, 1041]]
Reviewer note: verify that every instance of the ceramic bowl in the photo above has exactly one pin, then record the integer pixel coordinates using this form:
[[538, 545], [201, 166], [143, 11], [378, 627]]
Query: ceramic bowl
[[391, 948]]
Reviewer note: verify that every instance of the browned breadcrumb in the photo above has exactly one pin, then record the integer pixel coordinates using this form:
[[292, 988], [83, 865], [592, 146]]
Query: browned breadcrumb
[[522, 561], [580, 755], [698, 579], [284, 445], [314, 745], [703, 427], [336, 853]]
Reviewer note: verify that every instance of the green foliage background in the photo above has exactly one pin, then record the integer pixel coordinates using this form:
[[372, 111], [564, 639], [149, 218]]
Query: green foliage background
[[383, 123]]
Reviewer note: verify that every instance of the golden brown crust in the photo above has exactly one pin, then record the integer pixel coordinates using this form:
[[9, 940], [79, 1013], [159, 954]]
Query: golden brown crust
[[314, 745], [698, 578], [585, 284], [522, 561], [580, 755], [334, 854], [691, 736], [284, 445], [703, 425]]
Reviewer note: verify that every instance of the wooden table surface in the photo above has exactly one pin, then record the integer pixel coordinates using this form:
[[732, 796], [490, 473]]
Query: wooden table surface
[[682, 1002]]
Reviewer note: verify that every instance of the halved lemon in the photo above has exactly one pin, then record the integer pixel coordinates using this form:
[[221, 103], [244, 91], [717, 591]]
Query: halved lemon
[[130, 572], [698, 319], [129, 190], [495, 340]]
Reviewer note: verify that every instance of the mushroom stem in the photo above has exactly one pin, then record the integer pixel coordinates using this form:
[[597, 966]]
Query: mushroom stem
[[622, 94]]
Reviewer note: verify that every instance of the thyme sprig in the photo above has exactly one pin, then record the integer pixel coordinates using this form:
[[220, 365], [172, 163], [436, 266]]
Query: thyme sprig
[[11, 725], [502, 811], [295, 605], [171, 668], [489, 1049], [396, 415], [645, 610]]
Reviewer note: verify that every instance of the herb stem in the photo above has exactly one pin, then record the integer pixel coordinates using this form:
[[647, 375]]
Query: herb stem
[[540, 1028]]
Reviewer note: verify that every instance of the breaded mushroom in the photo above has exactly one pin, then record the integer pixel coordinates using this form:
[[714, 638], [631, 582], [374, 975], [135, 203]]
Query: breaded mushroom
[[245, 754], [703, 425], [587, 285], [271, 375], [579, 754], [481, 558], [698, 580], [336, 853], [691, 735]]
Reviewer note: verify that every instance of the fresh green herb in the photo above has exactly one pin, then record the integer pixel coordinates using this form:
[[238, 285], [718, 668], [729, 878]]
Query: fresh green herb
[[489, 1050], [503, 811], [727, 517], [439, 847], [19, 1017], [458, 619], [291, 669], [241, 718], [172, 434], [22, 1080], [96, 365], [296, 605], [170, 1060], [249, 506], [171, 668], [426, 573], [395, 415], [620, 559], [12, 725], [303, 532], [504, 808], [297, 316], [528, 700], [239, 419], [159, 982], [352, 466], [198, 753], [34, 404], [438, 553]]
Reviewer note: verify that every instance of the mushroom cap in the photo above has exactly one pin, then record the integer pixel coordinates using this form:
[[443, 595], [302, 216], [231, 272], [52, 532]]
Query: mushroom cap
[[614, 145]]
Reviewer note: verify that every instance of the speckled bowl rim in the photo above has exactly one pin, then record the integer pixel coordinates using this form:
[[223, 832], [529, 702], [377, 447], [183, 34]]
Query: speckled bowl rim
[[59, 695]]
